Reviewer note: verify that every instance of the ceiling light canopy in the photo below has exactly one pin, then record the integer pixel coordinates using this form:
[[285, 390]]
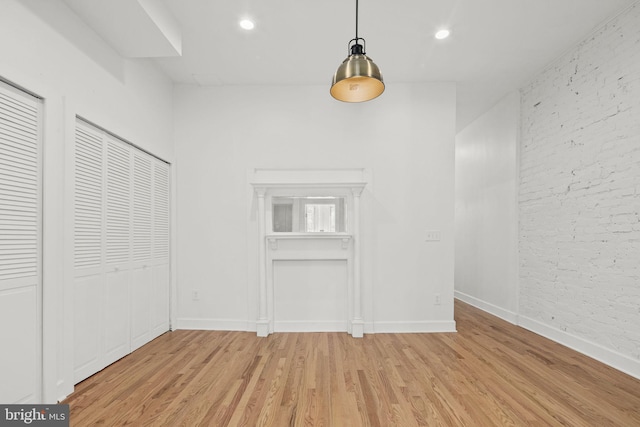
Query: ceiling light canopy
[[358, 78]]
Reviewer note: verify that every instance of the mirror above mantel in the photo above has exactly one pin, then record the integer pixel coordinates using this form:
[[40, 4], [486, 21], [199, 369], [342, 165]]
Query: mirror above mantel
[[309, 214]]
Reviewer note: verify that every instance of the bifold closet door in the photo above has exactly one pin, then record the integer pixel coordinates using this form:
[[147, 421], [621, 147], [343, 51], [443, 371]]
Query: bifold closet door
[[88, 258], [160, 312], [20, 246], [150, 264], [121, 297], [141, 304], [117, 249]]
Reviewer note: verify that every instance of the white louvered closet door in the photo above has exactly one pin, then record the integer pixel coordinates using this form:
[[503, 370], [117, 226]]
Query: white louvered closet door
[[122, 288], [161, 273], [141, 303], [88, 237], [117, 250], [20, 246]]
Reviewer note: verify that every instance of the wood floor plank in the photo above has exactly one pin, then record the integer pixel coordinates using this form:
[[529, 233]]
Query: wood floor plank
[[489, 373]]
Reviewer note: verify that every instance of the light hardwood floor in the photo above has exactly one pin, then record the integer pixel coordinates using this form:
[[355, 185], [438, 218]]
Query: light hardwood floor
[[490, 373]]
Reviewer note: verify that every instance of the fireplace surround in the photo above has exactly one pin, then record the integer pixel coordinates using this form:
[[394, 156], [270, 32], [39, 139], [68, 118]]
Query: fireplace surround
[[316, 188]]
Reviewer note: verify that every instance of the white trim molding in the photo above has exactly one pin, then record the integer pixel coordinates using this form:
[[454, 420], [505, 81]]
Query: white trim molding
[[214, 324], [607, 356], [309, 326], [500, 312], [414, 327]]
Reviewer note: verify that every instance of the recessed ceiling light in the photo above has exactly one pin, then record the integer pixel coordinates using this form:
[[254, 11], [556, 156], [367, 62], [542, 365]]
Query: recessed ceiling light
[[247, 24], [442, 34]]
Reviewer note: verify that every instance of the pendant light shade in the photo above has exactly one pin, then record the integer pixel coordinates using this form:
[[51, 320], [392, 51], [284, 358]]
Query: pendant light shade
[[358, 78]]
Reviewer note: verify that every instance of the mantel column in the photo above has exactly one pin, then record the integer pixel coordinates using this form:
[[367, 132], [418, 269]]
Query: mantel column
[[262, 324], [357, 324]]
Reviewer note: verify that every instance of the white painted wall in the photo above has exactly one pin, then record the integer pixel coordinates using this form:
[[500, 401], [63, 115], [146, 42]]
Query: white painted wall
[[407, 142], [580, 197], [47, 50], [486, 217]]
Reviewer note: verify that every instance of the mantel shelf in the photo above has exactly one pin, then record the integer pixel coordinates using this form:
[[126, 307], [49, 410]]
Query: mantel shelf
[[309, 184], [308, 188], [273, 239], [287, 236]]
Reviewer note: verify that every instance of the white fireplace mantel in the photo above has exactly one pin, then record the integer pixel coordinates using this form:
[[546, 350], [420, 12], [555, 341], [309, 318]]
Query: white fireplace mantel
[[348, 183]]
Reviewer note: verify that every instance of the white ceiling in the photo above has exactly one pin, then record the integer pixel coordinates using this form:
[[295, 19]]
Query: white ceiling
[[495, 45]]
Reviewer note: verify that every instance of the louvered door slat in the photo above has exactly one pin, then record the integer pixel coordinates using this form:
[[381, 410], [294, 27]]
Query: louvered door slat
[[23, 204], [19, 242], [15, 129], [17, 149], [9, 186], [13, 180], [13, 139], [13, 153], [28, 110], [118, 203], [17, 193], [88, 199], [142, 208], [160, 210], [18, 167], [14, 122], [14, 210]]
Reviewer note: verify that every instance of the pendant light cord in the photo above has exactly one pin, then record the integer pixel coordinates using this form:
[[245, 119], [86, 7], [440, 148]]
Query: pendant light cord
[[356, 21], [356, 47]]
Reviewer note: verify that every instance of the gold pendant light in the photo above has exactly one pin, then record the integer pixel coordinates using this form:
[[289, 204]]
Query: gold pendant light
[[358, 78]]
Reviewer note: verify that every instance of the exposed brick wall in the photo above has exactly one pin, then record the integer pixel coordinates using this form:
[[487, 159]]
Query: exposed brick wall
[[580, 190]]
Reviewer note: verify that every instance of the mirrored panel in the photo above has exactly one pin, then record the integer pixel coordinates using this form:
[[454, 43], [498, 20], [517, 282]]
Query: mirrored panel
[[325, 214]]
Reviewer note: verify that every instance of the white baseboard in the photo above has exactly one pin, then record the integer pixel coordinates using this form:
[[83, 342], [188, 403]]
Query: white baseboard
[[64, 390], [500, 312], [414, 327], [607, 356], [216, 325], [303, 326], [310, 326]]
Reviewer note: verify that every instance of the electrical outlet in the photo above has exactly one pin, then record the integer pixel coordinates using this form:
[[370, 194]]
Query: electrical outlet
[[195, 295], [437, 299], [432, 236]]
